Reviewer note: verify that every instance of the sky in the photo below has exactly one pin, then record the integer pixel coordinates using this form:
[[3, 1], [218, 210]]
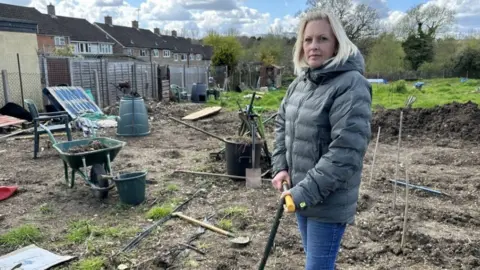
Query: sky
[[249, 17]]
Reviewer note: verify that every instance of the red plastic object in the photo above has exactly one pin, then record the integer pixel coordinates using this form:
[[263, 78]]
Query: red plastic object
[[7, 191]]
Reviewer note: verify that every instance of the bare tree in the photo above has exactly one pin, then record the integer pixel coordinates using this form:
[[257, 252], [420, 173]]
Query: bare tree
[[232, 32], [431, 19], [276, 30], [359, 20]]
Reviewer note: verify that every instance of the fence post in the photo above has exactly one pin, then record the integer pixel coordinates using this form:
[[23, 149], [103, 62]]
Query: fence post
[[70, 70], [207, 75], [20, 76], [45, 68], [5, 86], [183, 78], [97, 88]]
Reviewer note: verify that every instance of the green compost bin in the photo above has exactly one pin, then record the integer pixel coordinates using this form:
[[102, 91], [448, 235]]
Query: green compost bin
[[133, 117], [131, 187]]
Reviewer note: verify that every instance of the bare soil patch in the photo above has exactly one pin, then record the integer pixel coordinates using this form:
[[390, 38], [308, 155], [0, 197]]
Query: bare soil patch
[[458, 121], [442, 231]]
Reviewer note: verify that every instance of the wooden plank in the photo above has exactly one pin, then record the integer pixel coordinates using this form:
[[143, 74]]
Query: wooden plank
[[202, 113], [6, 120]]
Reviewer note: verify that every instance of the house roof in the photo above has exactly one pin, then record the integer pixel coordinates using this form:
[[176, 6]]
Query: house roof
[[46, 26], [131, 37], [143, 38], [80, 29], [17, 25]]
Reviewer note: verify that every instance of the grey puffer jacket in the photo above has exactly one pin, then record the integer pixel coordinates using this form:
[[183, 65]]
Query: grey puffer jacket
[[322, 134]]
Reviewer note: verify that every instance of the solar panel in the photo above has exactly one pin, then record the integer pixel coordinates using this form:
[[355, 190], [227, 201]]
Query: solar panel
[[73, 99]]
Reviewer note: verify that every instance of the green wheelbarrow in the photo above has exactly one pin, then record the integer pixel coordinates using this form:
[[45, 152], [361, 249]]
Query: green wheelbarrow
[[99, 160]]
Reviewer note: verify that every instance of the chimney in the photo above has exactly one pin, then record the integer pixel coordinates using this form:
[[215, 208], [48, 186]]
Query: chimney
[[51, 9], [174, 33], [108, 20], [135, 24], [156, 30]]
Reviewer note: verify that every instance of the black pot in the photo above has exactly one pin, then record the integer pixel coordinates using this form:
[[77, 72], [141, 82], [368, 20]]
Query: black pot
[[238, 156]]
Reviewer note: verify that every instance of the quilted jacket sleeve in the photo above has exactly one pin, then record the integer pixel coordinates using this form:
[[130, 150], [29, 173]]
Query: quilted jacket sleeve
[[350, 117], [279, 158]]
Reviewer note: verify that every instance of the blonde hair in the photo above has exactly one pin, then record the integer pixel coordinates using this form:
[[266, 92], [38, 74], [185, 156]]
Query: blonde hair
[[345, 46]]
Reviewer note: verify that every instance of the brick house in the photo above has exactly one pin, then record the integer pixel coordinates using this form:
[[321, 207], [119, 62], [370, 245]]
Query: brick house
[[85, 38], [58, 31], [183, 52], [146, 45], [49, 33]]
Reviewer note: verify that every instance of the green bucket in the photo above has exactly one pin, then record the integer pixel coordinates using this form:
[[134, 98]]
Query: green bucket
[[131, 187]]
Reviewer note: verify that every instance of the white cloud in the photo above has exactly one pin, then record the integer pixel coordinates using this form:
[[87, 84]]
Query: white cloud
[[203, 15], [287, 24]]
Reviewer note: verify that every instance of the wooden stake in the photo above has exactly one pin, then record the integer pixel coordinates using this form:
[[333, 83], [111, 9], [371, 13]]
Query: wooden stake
[[405, 215], [374, 155], [398, 160]]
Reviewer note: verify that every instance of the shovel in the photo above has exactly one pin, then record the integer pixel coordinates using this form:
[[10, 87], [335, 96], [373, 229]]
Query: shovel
[[253, 176], [239, 241]]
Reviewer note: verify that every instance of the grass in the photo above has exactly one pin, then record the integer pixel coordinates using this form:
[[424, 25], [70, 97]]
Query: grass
[[79, 231], [434, 92], [269, 101], [93, 263], [20, 236], [392, 95]]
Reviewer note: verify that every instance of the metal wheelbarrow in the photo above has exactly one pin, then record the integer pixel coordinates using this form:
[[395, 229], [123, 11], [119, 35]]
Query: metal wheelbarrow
[[99, 160]]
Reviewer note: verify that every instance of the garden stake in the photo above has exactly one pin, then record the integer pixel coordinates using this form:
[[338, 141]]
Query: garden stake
[[286, 202], [406, 209], [397, 161], [374, 154]]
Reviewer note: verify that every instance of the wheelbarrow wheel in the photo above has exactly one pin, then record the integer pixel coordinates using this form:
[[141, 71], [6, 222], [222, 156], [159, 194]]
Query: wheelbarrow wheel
[[95, 176]]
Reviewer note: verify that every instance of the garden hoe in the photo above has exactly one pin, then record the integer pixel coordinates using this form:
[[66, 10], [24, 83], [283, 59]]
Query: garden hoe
[[286, 202], [253, 176], [237, 241]]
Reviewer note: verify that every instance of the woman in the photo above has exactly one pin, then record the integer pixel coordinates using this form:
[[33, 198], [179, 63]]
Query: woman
[[322, 134]]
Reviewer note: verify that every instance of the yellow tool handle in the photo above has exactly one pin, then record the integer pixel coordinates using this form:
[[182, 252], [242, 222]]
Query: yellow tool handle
[[288, 199], [203, 224]]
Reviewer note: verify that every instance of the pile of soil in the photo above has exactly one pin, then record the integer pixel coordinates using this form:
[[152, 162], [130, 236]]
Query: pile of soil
[[91, 146], [459, 121]]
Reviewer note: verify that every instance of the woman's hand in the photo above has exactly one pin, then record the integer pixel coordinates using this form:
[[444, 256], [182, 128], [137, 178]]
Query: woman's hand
[[284, 194], [279, 179]]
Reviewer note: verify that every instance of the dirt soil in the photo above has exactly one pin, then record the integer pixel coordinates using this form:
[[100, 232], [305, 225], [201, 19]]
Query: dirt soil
[[459, 121], [91, 146], [443, 231]]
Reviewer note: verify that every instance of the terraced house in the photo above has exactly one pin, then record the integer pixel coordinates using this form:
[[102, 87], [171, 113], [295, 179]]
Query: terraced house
[[152, 46], [106, 39], [56, 32]]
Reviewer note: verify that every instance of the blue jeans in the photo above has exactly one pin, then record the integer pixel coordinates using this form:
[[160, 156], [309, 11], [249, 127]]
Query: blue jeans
[[321, 242]]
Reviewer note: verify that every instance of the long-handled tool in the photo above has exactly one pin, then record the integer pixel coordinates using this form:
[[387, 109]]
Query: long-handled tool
[[286, 202], [239, 241], [253, 175]]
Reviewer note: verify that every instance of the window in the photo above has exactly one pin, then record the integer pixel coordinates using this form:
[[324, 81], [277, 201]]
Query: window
[[59, 41], [105, 48], [175, 57], [166, 53], [129, 51], [192, 57], [155, 53], [83, 47], [143, 52], [184, 57], [199, 57]]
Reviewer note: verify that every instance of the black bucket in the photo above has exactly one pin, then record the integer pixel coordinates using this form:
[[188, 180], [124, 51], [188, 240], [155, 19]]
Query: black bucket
[[239, 156]]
